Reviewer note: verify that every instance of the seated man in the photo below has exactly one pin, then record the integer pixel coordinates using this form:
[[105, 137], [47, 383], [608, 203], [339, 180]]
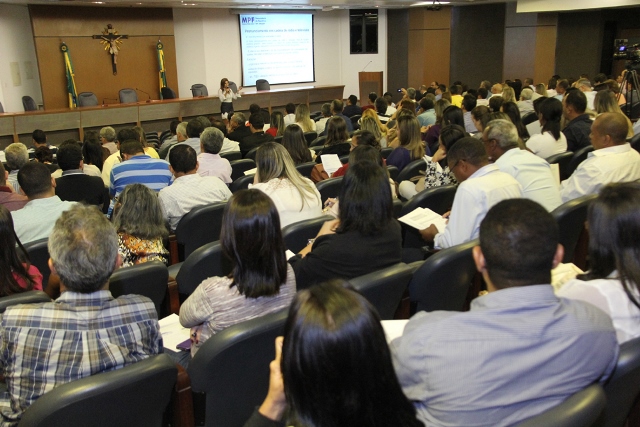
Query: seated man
[[9, 198], [114, 159], [209, 160], [108, 139], [189, 190], [482, 185], [85, 331], [171, 140], [574, 105], [520, 350], [352, 107], [613, 159], [39, 139], [228, 146], [257, 136], [16, 156], [238, 128], [194, 129], [36, 219]]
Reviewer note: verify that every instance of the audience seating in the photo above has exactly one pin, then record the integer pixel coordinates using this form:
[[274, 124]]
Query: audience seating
[[296, 235], [168, 93], [384, 288], [87, 99], [344, 159], [252, 154], [197, 228], [386, 151], [529, 118], [206, 261], [241, 183], [27, 297], [306, 168], [231, 155], [239, 167], [354, 121], [127, 96], [393, 172], [319, 142], [562, 160], [411, 170], [397, 208], [133, 396], [233, 86], [329, 188], [232, 369], [29, 104], [623, 388], [580, 410], [571, 217], [310, 137], [278, 139], [199, 89], [578, 157], [442, 282], [634, 141], [38, 253], [262, 84], [438, 199], [315, 115], [148, 279], [164, 135], [152, 139]]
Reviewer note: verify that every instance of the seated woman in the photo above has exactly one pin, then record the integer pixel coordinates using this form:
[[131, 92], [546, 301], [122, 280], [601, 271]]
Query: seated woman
[[332, 326], [551, 141], [295, 197], [294, 142], [606, 102], [513, 112], [480, 118], [17, 274], [371, 122], [92, 150], [613, 282], [437, 172], [337, 139], [411, 147], [431, 133], [360, 137], [364, 239], [303, 119], [261, 281], [139, 221], [276, 127]]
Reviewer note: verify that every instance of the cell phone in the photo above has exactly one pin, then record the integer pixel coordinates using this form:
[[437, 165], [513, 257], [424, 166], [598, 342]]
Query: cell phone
[[185, 345], [399, 90]]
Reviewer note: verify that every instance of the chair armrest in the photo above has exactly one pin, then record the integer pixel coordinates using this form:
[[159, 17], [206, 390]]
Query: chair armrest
[[182, 400], [173, 250], [173, 301]]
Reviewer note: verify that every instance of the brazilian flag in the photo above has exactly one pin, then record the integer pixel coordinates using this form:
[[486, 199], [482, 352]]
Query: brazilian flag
[[161, 70], [71, 83]]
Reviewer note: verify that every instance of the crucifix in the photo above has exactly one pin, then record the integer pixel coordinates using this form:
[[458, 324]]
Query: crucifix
[[111, 41]]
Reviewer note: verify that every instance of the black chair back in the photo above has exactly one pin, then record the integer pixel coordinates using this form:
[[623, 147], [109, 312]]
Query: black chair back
[[319, 141], [236, 361], [571, 217], [38, 253], [393, 172], [133, 396], [310, 137], [29, 104], [164, 135], [233, 86], [438, 199], [148, 279], [634, 141], [385, 152], [206, 261], [411, 170], [27, 297], [87, 99], [579, 410], [127, 96], [241, 183], [384, 288], [354, 121], [443, 280], [168, 93], [529, 118], [199, 89], [239, 167], [578, 157], [562, 160], [296, 235], [262, 84], [197, 228], [278, 139], [252, 154], [623, 388], [329, 188], [306, 168], [397, 208], [231, 155]]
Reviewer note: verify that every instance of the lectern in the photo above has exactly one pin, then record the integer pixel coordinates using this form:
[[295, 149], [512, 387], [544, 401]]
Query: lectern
[[370, 81]]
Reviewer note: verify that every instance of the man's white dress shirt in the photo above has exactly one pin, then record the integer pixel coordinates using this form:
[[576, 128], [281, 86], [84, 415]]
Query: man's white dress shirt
[[214, 165]]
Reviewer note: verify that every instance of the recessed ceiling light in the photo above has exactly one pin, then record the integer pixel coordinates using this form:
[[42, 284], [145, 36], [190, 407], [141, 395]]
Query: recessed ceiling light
[[430, 3]]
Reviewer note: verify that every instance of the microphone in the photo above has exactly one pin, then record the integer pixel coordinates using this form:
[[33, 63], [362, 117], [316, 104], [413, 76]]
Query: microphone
[[140, 90], [367, 65], [108, 99]]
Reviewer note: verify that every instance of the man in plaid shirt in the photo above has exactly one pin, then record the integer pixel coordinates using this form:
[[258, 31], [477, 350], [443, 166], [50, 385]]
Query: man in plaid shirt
[[84, 332]]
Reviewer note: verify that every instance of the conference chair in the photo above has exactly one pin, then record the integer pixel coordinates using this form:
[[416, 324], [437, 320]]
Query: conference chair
[[411, 170], [278, 139], [199, 89], [529, 118], [384, 288], [87, 99], [296, 236], [578, 157], [164, 135], [562, 160], [239, 167], [133, 396], [571, 217], [354, 121], [200, 226], [231, 155], [241, 183], [438, 199], [168, 93], [252, 154], [319, 141], [315, 115], [634, 141], [397, 208], [232, 369], [442, 282], [38, 253], [206, 261], [344, 159], [393, 172], [233, 86], [152, 139], [310, 137], [623, 388], [386, 151], [29, 104], [262, 84], [128, 96], [148, 279], [329, 188], [582, 409], [27, 297], [306, 168]]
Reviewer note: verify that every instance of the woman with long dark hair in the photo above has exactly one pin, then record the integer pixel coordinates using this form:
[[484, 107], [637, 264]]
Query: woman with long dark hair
[[337, 137], [227, 95], [511, 109], [411, 147], [294, 142], [551, 141], [276, 127]]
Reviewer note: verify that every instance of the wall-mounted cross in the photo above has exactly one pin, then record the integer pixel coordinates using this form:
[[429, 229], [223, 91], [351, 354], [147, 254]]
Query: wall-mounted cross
[[111, 41]]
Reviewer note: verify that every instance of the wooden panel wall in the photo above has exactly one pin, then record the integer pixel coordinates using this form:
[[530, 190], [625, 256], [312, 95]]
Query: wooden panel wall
[[397, 50], [429, 46], [137, 60]]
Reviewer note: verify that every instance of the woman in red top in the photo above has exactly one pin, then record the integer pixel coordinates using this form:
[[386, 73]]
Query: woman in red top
[[16, 272]]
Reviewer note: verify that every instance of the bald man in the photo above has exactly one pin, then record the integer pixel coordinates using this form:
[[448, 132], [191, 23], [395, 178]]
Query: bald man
[[612, 160]]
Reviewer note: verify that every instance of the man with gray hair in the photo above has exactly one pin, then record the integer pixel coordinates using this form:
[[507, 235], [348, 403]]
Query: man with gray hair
[[108, 139], [211, 164], [181, 136], [85, 331], [585, 86], [500, 139], [525, 105], [238, 128], [16, 157]]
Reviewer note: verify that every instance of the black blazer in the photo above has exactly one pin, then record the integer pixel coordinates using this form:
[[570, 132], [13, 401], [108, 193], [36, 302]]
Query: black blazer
[[83, 188]]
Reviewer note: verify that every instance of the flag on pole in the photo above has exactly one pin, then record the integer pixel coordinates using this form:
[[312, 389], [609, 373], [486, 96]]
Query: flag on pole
[[71, 83], [161, 70]]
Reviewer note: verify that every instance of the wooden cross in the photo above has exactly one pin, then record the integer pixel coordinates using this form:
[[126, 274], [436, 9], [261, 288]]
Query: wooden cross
[[111, 41]]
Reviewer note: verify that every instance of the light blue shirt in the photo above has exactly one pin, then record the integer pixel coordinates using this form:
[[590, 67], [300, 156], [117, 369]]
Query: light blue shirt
[[517, 353], [36, 219], [427, 118]]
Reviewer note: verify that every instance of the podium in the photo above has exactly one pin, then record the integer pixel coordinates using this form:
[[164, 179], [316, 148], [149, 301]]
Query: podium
[[369, 81]]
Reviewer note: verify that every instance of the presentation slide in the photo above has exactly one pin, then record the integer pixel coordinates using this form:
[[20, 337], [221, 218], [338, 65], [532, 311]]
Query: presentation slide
[[277, 48]]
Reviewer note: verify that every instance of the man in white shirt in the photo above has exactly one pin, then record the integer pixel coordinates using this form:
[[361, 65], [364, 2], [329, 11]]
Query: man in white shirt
[[525, 105], [17, 156], [189, 190], [209, 160], [482, 186], [585, 86], [290, 118], [613, 159], [500, 139], [194, 129]]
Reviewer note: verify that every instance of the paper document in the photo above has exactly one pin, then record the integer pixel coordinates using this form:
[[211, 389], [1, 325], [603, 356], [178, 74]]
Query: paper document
[[251, 171], [172, 331], [393, 328], [331, 163], [555, 171], [563, 273], [422, 218]]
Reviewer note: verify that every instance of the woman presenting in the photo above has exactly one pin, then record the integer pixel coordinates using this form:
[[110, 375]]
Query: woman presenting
[[226, 95]]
